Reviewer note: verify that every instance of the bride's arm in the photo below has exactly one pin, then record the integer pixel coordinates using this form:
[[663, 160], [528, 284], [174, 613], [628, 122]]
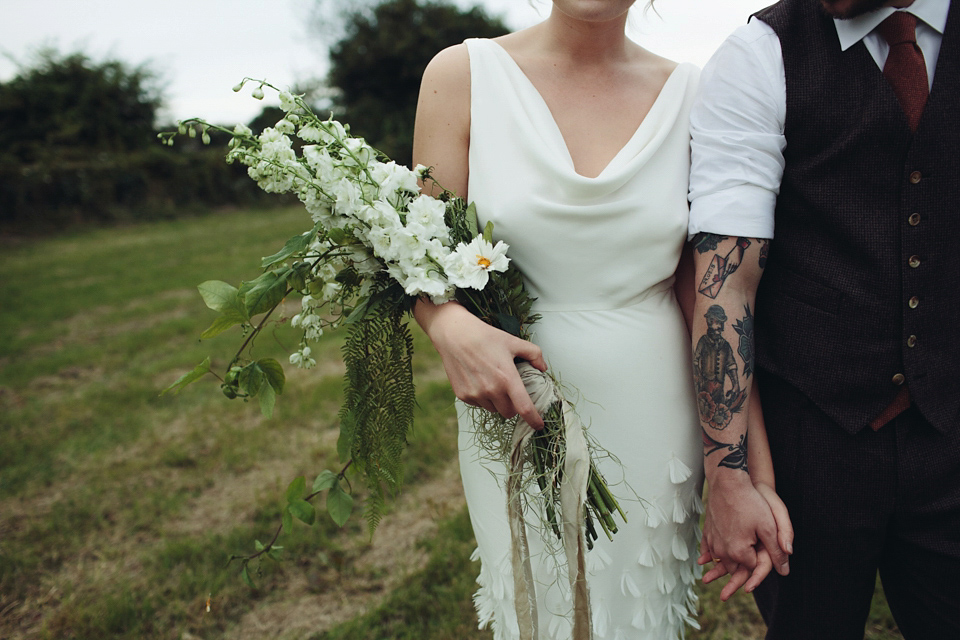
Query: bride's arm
[[478, 358], [760, 464], [684, 285]]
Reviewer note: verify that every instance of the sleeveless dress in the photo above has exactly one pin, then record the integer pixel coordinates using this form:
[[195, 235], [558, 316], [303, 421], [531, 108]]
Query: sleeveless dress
[[599, 255]]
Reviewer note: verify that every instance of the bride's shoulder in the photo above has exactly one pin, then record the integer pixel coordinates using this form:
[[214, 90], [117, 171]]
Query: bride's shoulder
[[451, 63], [660, 69]]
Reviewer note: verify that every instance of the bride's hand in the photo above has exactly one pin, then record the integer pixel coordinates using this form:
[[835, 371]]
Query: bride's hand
[[780, 515], [479, 360]]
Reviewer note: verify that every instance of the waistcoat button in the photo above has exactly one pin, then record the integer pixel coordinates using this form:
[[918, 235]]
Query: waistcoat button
[[914, 261], [915, 177], [898, 379], [912, 341], [913, 302], [914, 219]]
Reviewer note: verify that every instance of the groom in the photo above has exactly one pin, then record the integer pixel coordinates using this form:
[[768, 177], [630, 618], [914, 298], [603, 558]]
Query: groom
[[839, 121]]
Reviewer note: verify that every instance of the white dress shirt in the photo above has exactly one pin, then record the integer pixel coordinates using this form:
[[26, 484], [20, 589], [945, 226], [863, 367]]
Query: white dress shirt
[[737, 122]]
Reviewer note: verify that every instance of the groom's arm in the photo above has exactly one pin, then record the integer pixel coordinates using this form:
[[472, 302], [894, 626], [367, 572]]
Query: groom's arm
[[737, 164], [739, 518]]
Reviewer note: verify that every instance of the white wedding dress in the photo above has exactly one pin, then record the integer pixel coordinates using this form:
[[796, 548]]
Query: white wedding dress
[[599, 255]]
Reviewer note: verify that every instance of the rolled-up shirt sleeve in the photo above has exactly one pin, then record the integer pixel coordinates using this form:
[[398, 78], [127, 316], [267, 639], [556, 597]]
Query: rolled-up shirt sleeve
[[737, 137]]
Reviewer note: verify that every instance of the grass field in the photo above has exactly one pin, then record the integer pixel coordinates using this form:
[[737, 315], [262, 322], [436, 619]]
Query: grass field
[[120, 508]]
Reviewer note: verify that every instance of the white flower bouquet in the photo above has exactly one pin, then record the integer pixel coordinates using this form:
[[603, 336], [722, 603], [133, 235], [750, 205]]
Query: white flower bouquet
[[375, 244]]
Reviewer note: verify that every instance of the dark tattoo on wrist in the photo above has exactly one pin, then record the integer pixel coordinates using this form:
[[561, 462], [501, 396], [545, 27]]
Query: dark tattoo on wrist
[[704, 242], [721, 267], [736, 457], [714, 366], [744, 329]]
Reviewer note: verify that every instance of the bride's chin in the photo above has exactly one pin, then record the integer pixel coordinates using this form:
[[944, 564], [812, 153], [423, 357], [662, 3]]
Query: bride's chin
[[593, 10]]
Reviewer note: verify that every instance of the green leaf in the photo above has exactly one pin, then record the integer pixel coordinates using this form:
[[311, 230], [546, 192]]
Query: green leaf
[[303, 511], [359, 312], [268, 399], [339, 505], [296, 244], [251, 379], [325, 480], [198, 372], [287, 519], [297, 280], [470, 217], [509, 323], [337, 235], [221, 324], [275, 552], [348, 427], [265, 292], [296, 489], [488, 231], [245, 574], [273, 372], [218, 295], [259, 545]]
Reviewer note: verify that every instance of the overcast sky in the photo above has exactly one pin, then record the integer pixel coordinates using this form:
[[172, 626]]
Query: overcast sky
[[202, 48]]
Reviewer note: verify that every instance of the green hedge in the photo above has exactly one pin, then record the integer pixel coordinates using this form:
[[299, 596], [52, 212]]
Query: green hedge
[[101, 188]]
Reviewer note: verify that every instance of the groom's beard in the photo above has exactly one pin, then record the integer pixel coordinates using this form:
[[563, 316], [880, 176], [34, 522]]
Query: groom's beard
[[846, 9]]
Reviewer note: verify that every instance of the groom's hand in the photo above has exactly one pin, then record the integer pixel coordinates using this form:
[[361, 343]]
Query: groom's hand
[[740, 535]]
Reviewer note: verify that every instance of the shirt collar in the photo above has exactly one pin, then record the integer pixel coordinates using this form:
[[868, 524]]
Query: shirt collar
[[932, 12]]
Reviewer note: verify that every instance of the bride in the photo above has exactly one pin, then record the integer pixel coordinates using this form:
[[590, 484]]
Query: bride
[[573, 140]]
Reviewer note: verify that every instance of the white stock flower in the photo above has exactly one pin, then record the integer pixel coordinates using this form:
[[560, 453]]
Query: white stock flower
[[331, 289], [363, 261], [348, 197], [420, 279], [319, 160], [409, 246], [469, 266], [313, 333], [381, 241], [307, 303], [332, 130], [288, 101], [425, 217], [285, 126], [302, 358], [393, 177], [356, 152], [309, 133]]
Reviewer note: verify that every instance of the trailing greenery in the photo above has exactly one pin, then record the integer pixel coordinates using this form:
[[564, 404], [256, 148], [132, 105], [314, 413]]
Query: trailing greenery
[[378, 403]]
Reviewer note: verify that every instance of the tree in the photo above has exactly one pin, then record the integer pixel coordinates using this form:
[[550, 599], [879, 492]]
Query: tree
[[379, 61], [68, 105]]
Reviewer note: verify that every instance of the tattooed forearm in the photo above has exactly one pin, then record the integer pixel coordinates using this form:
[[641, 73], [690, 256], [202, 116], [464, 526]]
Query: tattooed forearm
[[714, 366], [744, 329], [721, 267], [736, 457], [764, 251]]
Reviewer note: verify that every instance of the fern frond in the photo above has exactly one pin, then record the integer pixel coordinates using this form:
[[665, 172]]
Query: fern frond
[[380, 398]]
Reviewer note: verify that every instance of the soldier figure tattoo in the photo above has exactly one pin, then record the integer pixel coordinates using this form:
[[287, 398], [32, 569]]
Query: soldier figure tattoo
[[713, 366]]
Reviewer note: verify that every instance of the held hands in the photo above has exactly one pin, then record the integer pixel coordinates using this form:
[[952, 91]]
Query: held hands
[[479, 360], [748, 529]]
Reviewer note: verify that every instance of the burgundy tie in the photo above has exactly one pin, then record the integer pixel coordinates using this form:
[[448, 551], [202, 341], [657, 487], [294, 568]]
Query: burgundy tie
[[905, 68]]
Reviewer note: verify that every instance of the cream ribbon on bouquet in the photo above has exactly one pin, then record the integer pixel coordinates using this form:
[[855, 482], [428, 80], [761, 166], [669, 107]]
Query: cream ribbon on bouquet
[[576, 473]]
